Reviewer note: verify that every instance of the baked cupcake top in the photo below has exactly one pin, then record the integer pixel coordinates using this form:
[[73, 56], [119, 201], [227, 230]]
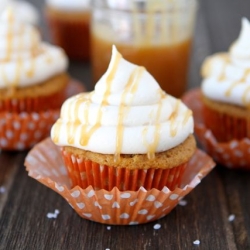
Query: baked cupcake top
[[227, 75], [127, 113], [73, 5], [24, 59], [24, 11]]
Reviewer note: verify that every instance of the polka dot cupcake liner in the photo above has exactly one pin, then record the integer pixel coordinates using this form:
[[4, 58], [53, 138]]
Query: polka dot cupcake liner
[[232, 154], [85, 172], [20, 131], [45, 164]]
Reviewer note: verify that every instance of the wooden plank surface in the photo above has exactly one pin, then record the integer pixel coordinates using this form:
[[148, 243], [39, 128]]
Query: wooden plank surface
[[24, 203]]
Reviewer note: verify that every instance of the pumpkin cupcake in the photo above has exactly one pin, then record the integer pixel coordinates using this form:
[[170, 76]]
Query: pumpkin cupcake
[[33, 82], [127, 133], [226, 90]]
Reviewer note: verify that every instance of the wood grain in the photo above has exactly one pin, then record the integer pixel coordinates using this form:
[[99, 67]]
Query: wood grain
[[25, 204]]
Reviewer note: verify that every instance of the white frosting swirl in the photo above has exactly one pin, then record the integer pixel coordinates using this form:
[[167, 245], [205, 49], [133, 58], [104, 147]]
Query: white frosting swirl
[[24, 11], [227, 75], [24, 59], [69, 5], [127, 113]]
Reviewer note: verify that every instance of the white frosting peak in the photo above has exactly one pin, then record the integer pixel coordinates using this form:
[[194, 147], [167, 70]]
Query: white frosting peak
[[227, 75], [127, 113], [24, 59], [70, 5]]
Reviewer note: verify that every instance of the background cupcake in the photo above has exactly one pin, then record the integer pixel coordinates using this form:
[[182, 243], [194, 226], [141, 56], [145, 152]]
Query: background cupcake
[[127, 133], [33, 83], [226, 90], [69, 26]]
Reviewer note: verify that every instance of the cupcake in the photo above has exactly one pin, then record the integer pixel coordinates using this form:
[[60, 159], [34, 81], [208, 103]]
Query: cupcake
[[127, 133], [69, 26], [33, 83], [226, 90]]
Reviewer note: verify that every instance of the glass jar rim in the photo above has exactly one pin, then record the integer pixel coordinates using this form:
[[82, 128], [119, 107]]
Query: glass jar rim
[[140, 5]]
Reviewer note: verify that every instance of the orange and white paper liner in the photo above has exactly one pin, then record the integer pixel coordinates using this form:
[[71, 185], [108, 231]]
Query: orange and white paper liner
[[84, 173], [45, 164], [232, 154], [20, 131]]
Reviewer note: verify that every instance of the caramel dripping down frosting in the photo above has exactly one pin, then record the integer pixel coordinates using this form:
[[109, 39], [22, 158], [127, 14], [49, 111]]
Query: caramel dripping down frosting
[[127, 113], [23, 57], [227, 75]]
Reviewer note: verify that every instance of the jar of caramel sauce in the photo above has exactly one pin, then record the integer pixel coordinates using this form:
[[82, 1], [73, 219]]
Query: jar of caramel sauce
[[156, 34]]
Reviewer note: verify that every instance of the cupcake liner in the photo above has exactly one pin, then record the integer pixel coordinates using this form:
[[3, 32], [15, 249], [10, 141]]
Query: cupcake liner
[[45, 164], [232, 154], [71, 34], [20, 131], [85, 172], [33, 104], [230, 127]]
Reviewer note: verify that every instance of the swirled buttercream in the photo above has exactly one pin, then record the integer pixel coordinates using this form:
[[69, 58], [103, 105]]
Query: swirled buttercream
[[127, 113], [24, 59], [227, 75]]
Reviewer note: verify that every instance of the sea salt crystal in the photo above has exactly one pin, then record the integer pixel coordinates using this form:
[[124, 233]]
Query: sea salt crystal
[[108, 227], [2, 189], [182, 202], [157, 226], [196, 242], [231, 217], [53, 215]]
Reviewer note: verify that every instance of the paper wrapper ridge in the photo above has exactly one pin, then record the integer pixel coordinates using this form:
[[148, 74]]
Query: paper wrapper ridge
[[45, 164], [232, 154]]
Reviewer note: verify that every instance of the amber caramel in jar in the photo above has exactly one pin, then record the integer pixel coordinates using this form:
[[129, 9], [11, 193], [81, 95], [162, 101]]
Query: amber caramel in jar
[[167, 63], [154, 34]]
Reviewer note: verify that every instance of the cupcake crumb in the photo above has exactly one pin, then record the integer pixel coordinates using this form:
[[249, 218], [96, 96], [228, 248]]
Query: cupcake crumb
[[196, 242], [157, 226], [231, 217], [53, 215], [2, 189], [108, 227], [182, 202]]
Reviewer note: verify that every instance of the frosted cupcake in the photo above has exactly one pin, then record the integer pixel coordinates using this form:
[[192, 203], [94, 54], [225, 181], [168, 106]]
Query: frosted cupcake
[[226, 90], [33, 83], [127, 133], [69, 26]]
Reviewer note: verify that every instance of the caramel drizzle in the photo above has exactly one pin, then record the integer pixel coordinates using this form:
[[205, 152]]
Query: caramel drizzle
[[187, 115], [226, 60], [173, 130], [244, 97], [243, 79], [130, 87], [87, 133]]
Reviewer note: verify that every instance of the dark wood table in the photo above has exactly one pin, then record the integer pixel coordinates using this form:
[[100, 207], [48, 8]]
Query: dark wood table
[[24, 203]]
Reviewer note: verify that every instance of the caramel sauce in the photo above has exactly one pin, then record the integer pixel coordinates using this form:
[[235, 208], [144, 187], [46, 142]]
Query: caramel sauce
[[167, 63], [173, 130]]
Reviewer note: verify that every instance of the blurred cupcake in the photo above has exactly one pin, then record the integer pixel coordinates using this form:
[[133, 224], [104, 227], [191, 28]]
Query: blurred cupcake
[[226, 90], [33, 83], [127, 133], [24, 11], [69, 25]]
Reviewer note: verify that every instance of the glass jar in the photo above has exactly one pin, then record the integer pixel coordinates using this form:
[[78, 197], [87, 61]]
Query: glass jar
[[156, 34]]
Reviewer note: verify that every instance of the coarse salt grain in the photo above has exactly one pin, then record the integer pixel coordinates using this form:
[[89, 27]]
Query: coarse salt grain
[[2, 189], [182, 203], [231, 217], [196, 242], [157, 226], [108, 227], [53, 215]]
